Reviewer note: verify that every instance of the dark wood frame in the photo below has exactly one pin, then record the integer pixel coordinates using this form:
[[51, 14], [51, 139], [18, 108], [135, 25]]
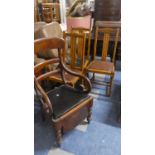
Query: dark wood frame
[[74, 116]]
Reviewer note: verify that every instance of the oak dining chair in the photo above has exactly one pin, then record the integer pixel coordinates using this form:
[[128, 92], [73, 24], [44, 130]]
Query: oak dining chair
[[101, 65]]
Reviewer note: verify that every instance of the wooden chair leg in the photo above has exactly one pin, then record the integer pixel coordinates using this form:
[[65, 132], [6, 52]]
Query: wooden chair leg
[[87, 74], [58, 134], [58, 137], [109, 88], [93, 78], [89, 112]]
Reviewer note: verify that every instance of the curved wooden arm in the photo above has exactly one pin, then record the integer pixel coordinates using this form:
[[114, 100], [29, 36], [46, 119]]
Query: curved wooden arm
[[81, 76], [75, 74], [46, 75], [41, 65], [49, 109]]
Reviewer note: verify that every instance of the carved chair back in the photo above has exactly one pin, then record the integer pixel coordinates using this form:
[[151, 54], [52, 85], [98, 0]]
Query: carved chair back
[[87, 31], [75, 49], [104, 34]]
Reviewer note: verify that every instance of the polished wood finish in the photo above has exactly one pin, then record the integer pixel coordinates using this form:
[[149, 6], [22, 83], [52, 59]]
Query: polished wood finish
[[87, 31], [77, 49], [102, 66], [106, 33], [110, 24], [51, 12], [107, 24], [76, 114]]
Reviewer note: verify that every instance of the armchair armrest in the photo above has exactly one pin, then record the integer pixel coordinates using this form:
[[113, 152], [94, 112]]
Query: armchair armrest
[[89, 86], [47, 106]]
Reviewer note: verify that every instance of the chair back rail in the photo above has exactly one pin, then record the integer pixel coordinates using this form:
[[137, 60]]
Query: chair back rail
[[45, 44], [106, 32], [77, 48], [82, 30]]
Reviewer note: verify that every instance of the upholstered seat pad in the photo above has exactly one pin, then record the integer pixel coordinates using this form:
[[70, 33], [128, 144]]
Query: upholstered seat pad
[[99, 66], [64, 98]]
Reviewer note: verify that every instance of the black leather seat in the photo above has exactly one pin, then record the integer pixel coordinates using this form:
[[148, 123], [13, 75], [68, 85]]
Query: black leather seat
[[62, 103]]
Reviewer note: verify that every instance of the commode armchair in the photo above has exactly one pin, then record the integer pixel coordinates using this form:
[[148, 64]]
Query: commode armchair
[[64, 106]]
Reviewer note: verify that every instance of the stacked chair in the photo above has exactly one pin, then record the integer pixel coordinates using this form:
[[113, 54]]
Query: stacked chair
[[74, 54], [46, 11]]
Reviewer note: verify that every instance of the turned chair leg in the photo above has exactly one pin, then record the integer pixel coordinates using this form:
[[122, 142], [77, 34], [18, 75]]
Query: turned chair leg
[[58, 137], [89, 113], [58, 134], [109, 88], [93, 78]]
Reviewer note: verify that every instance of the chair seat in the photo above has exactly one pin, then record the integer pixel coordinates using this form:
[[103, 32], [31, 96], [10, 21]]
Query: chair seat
[[99, 66], [65, 98], [78, 70]]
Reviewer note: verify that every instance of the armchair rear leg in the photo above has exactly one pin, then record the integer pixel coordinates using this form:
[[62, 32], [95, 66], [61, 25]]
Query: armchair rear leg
[[89, 112], [58, 137], [109, 88], [58, 133], [93, 78]]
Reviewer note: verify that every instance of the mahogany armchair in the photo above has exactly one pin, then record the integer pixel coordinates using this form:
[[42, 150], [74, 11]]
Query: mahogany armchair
[[101, 65], [65, 106]]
